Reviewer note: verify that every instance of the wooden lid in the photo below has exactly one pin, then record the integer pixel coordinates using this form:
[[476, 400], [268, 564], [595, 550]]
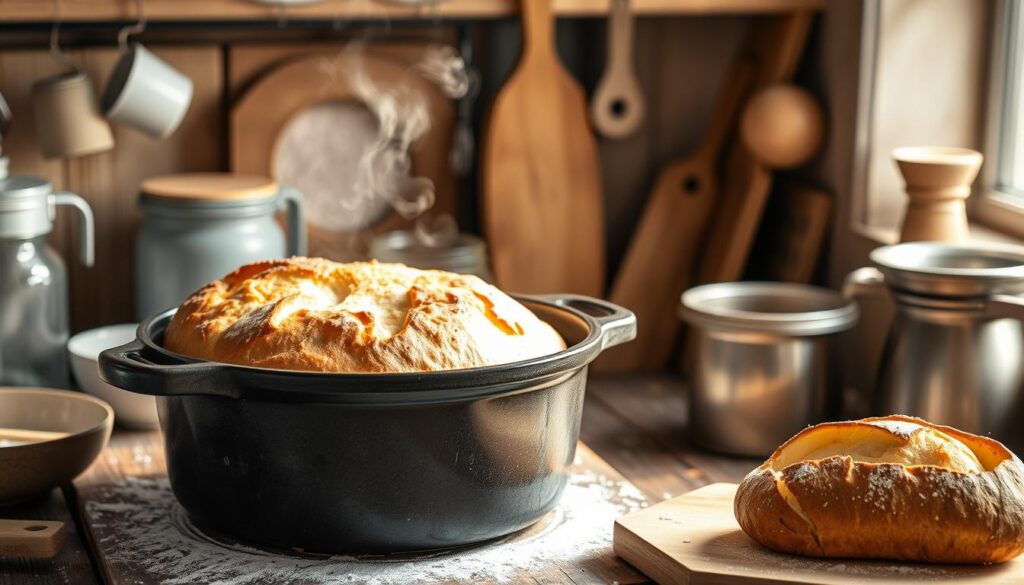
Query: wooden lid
[[210, 187]]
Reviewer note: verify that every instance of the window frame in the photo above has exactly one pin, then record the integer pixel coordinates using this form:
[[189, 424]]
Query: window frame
[[991, 205]]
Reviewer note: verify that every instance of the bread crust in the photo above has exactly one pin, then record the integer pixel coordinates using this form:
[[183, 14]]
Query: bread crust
[[858, 509], [317, 315]]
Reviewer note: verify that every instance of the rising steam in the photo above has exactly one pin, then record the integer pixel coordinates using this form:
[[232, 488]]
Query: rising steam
[[384, 171]]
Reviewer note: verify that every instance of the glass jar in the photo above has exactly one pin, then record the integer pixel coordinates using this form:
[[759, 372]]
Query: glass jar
[[33, 282]]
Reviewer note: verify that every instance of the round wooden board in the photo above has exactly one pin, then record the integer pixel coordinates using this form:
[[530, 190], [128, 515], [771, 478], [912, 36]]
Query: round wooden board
[[260, 116]]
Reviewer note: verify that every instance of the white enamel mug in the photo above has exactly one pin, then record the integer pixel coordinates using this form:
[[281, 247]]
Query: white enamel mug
[[146, 93]]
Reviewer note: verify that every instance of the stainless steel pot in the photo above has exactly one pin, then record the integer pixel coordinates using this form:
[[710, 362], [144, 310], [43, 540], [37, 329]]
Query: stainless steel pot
[[463, 254], [955, 349], [372, 462], [764, 363]]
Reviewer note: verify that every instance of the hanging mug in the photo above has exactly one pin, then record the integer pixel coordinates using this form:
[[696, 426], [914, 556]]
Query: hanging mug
[[143, 91], [146, 93], [67, 120]]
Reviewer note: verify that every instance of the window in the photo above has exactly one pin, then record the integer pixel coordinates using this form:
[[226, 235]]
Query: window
[[1000, 200], [925, 71]]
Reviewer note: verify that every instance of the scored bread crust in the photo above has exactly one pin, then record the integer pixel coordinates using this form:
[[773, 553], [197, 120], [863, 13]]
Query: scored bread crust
[[857, 509], [317, 315]]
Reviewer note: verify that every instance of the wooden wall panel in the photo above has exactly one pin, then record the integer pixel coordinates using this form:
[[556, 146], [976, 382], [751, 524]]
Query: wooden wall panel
[[109, 181]]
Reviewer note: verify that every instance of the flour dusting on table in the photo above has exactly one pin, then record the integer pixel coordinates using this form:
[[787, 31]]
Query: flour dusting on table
[[140, 524]]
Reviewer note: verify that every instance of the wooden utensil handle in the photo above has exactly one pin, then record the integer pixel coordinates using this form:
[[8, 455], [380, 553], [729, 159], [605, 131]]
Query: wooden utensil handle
[[538, 29], [31, 538], [620, 36], [29, 435], [723, 118]]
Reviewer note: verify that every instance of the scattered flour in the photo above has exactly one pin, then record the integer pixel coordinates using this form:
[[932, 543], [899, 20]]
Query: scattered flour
[[145, 533]]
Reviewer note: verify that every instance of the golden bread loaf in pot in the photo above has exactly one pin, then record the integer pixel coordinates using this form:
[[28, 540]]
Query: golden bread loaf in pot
[[893, 487], [317, 315]]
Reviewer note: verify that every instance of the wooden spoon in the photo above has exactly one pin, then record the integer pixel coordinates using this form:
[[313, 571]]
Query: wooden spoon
[[618, 105]]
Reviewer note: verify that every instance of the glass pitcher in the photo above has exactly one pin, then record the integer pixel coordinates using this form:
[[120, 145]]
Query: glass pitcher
[[33, 281]]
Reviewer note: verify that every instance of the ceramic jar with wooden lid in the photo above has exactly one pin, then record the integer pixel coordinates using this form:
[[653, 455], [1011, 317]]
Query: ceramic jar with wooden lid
[[198, 227]]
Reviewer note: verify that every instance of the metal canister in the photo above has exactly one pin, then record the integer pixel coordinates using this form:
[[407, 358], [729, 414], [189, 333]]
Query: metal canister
[[198, 227], [764, 362], [954, 354], [33, 281], [463, 253]]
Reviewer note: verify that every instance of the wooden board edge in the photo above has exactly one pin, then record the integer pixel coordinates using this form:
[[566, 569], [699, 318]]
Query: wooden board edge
[[88, 537], [652, 561], [630, 548]]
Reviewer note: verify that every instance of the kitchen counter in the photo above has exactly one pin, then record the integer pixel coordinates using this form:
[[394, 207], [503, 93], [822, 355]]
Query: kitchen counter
[[635, 424]]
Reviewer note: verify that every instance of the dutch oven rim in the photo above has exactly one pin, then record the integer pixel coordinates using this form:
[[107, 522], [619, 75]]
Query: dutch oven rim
[[143, 366]]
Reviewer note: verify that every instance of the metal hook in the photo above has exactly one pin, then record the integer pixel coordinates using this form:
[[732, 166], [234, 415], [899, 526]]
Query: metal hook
[[55, 50], [282, 14], [132, 29]]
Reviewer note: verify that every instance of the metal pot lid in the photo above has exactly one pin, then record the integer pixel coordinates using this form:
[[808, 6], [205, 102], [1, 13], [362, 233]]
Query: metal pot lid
[[768, 307], [958, 270]]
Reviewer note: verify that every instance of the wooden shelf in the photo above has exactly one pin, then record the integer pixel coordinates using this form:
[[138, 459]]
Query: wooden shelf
[[245, 10]]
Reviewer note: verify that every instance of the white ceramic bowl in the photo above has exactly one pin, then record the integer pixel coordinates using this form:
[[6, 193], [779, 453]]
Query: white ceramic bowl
[[132, 410]]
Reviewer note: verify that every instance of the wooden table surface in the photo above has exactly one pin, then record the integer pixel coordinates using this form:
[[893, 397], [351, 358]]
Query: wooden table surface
[[636, 424]]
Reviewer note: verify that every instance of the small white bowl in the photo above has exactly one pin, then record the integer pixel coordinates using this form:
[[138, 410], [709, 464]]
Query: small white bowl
[[132, 410]]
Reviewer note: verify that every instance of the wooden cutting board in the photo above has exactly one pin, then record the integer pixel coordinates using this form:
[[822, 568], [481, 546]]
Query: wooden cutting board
[[694, 539], [658, 265], [542, 207], [291, 85], [788, 247]]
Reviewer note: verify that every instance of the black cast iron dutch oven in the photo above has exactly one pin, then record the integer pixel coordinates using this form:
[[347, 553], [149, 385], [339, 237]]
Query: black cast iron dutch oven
[[372, 463]]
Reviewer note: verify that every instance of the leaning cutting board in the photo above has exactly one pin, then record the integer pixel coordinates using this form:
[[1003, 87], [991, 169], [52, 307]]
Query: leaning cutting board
[[658, 265], [542, 207], [694, 539]]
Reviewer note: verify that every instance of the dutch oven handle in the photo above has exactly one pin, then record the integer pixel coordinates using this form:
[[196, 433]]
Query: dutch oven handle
[[127, 367], [618, 324]]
